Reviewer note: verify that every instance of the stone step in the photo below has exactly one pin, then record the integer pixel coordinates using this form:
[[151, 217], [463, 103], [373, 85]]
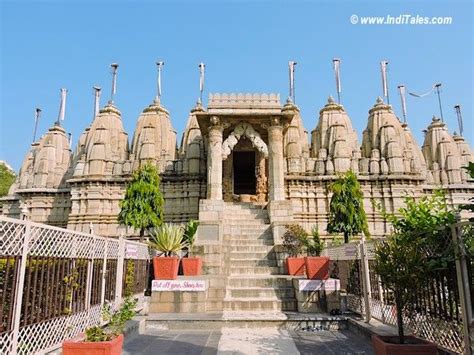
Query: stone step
[[250, 213], [248, 238], [251, 270], [243, 205], [235, 281], [250, 242], [253, 254], [251, 262], [259, 304], [261, 292], [251, 248], [245, 227]]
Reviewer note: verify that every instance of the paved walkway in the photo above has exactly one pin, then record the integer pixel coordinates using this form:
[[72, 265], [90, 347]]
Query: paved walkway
[[267, 340]]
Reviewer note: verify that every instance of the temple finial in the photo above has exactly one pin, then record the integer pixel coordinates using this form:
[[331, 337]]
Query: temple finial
[[160, 65], [114, 67], [62, 107]]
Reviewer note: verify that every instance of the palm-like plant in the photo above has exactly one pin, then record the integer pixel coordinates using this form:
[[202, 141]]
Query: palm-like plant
[[189, 235], [346, 209], [168, 239]]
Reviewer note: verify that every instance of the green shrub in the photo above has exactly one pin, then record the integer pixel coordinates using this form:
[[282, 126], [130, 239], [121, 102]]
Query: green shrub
[[295, 240]]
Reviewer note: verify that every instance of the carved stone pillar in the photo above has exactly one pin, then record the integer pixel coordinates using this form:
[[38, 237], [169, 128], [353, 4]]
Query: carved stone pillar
[[214, 160], [275, 161]]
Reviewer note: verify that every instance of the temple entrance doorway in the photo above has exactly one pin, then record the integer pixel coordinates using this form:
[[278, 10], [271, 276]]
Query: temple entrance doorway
[[245, 180]]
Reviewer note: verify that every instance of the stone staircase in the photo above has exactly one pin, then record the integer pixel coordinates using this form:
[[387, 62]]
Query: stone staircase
[[253, 282]]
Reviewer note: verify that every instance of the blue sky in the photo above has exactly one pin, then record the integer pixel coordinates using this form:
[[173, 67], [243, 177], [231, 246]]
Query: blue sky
[[246, 45]]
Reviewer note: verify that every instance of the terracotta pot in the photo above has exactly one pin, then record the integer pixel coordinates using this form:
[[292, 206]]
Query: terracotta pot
[[416, 346], [79, 347], [191, 266], [165, 267], [295, 266], [317, 267]]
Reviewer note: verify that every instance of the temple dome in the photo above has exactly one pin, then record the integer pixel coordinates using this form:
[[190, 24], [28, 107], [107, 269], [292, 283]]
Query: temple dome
[[192, 145], [388, 145], [106, 145], [154, 139], [442, 154], [295, 141], [466, 154], [47, 162], [334, 141]]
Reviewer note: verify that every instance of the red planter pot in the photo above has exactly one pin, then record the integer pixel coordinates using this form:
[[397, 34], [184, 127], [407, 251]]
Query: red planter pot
[[317, 267], [295, 266], [415, 346], [191, 266], [79, 347], [165, 267]]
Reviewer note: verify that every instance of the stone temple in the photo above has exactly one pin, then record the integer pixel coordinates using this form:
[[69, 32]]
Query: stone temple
[[244, 168], [241, 148]]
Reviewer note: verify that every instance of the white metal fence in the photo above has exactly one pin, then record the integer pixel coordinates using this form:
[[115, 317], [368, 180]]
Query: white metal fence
[[441, 312], [54, 282]]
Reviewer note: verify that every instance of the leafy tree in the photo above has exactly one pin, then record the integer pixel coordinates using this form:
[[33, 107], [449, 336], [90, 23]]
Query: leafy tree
[[346, 209], [7, 178], [142, 206], [419, 247], [470, 206]]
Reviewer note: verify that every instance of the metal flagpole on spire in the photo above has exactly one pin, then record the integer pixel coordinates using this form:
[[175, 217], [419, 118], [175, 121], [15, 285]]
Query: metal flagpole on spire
[[62, 107], [202, 68], [159, 64], [437, 86], [37, 118], [96, 100], [114, 67], [291, 69], [457, 108], [383, 69], [402, 90], [336, 62]]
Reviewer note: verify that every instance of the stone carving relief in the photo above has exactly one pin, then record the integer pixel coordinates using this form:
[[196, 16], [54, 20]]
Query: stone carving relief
[[244, 129]]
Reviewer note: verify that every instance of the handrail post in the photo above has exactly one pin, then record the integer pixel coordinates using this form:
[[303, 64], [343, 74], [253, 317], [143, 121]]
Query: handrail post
[[104, 274], [365, 280], [19, 287], [119, 274], [463, 288]]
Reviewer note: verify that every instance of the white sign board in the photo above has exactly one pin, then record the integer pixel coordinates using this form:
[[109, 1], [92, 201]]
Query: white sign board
[[316, 285], [131, 251], [179, 285]]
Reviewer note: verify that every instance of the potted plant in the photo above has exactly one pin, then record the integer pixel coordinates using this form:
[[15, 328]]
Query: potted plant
[[294, 241], [168, 241], [106, 340], [317, 267], [191, 265]]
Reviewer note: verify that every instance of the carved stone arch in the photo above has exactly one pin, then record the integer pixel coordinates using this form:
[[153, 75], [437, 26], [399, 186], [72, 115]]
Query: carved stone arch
[[243, 129]]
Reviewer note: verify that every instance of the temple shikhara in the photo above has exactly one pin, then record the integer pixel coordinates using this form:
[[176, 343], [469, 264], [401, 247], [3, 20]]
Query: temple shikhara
[[240, 148]]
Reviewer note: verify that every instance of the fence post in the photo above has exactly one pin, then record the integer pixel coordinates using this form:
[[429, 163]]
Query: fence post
[[463, 287], [365, 279], [119, 277], [19, 288], [90, 270], [104, 274]]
